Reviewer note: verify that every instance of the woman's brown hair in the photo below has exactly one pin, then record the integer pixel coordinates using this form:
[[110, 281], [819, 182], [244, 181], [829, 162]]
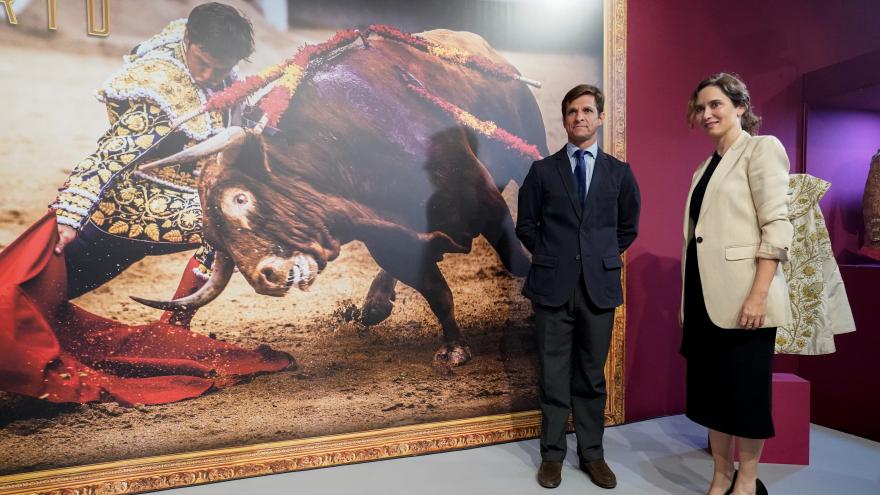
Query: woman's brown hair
[[732, 86]]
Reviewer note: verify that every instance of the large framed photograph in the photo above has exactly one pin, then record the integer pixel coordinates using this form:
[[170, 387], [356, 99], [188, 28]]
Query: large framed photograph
[[367, 180]]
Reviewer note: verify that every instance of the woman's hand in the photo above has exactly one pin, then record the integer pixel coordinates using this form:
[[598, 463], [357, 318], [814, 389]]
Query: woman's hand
[[753, 311], [66, 234]]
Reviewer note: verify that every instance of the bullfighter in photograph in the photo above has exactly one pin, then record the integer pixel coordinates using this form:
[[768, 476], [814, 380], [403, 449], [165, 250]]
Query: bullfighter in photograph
[[109, 215]]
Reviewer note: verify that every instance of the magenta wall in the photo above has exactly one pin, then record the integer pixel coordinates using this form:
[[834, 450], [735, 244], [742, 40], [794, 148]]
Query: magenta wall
[[840, 145], [672, 45]]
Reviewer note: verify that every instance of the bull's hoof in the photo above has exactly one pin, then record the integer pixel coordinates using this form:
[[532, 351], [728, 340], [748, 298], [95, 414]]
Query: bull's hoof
[[376, 310], [452, 354]]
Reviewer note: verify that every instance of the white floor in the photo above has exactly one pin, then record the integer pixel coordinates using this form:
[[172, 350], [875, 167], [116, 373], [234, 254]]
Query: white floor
[[660, 456]]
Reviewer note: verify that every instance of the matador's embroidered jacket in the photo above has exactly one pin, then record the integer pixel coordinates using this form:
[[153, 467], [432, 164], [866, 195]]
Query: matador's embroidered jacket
[[151, 90], [819, 306]]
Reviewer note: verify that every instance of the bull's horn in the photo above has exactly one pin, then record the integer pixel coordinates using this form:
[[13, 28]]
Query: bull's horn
[[230, 136], [530, 82], [220, 275]]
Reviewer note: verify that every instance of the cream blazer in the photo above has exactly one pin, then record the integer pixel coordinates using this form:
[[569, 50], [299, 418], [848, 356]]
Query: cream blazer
[[744, 216]]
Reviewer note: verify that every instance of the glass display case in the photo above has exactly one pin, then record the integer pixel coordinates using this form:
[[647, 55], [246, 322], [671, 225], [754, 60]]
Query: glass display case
[[841, 137]]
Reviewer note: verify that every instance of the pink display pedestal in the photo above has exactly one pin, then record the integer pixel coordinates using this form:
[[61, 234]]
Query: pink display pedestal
[[791, 420]]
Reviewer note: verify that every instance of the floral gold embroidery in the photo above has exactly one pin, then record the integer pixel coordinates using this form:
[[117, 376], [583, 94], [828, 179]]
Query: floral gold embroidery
[[98, 218], [144, 141], [115, 144], [156, 210], [157, 205], [118, 228], [137, 123], [135, 230], [811, 247], [173, 236], [152, 231]]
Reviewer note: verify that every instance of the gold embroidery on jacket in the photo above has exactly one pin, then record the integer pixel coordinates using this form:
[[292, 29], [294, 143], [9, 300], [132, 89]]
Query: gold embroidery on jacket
[[810, 249], [139, 209]]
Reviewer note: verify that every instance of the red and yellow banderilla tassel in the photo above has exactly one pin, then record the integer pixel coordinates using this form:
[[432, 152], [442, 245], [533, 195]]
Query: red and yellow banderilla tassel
[[485, 127]]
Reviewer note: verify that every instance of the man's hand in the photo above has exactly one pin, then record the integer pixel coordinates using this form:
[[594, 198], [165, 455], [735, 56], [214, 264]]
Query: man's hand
[[66, 235]]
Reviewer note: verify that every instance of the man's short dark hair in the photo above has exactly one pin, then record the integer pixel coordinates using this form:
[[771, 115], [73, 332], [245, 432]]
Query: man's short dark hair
[[581, 90], [222, 31]]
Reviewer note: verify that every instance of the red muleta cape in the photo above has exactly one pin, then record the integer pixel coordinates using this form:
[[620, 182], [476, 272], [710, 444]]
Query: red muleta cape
[[54, 350]]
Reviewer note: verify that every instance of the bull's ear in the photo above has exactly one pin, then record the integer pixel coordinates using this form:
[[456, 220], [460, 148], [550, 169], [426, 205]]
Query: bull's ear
[[252, 157], [230, 153], [233, 156], [267, 166], [274, 146], [247, 157]]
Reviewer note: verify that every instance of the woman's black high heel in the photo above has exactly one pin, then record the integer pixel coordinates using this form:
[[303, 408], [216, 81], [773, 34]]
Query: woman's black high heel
[[760, 489], [732, 482]]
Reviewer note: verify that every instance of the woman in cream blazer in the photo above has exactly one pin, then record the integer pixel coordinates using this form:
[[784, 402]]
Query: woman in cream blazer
[[736, 233]]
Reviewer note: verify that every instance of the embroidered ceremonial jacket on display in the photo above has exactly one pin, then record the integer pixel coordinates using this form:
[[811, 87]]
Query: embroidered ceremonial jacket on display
[[819, 307]]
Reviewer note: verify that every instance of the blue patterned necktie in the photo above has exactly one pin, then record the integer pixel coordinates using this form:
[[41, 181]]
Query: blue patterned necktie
[[580, 175]]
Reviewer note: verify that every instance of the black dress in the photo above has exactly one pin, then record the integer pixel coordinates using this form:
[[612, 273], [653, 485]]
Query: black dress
[[729, 371]]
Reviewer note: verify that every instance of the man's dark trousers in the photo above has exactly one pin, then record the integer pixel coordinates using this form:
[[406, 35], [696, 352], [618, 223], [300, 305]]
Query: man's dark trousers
[[573, 340]]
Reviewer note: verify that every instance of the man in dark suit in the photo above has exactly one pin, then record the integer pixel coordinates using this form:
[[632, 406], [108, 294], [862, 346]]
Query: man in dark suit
[[578, 211]]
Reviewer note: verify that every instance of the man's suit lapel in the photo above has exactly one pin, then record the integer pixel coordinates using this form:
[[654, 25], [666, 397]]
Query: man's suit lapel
[[724, 167], [600, 170], [563, 166]]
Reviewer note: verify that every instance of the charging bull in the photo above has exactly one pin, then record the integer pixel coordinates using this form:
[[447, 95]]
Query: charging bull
[[360, 157]]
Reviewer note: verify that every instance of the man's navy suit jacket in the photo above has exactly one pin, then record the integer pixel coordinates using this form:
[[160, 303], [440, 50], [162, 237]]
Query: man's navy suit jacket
[[567, 240]]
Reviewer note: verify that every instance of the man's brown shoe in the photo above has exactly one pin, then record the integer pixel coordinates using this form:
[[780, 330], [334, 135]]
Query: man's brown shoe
[[599, 473], [550, 474]]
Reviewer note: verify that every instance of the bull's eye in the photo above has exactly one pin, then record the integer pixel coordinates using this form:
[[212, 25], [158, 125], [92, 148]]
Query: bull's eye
[[237, 205]]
